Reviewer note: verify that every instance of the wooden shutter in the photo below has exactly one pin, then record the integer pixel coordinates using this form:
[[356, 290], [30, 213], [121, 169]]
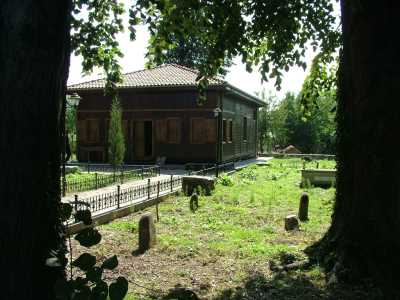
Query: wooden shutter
[[197, 136], [93, 131], [174, 131], [225, 130], [82, 131], [125, 130], [210, 131], [203, 131], [245, 129], [161, 131], [230, 128]]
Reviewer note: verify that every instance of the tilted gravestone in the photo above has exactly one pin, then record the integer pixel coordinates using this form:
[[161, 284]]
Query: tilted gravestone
[[291, 223], [147, 232]]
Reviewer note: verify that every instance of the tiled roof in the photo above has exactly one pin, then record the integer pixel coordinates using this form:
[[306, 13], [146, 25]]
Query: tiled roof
[[168, 75]]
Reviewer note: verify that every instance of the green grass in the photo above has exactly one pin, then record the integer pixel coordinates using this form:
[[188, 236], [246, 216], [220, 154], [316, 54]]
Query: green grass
[[79, 176], [224, 247]]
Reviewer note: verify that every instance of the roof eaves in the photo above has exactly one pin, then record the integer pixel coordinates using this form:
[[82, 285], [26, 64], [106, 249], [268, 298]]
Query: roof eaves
[[245, 95]]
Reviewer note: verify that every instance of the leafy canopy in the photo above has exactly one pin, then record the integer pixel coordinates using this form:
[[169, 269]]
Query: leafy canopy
[[270, 35]]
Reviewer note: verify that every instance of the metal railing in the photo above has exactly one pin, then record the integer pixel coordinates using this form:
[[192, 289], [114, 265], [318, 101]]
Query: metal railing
[[99, 167], [214, 170], [101, 180], [120, 197]]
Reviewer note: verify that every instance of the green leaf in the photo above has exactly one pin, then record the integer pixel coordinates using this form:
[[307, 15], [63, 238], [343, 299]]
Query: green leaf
[[65, 211], [63, 289], [110, 263], [100, 291], [84, 262], [83, 294], [94, 274], [84, 215], [88, 237], [118, 289], [79, 283]]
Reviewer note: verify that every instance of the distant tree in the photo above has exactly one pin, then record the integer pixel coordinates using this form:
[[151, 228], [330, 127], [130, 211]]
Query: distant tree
[[313, 132], [190, 52], [116, 143], [271, 130]]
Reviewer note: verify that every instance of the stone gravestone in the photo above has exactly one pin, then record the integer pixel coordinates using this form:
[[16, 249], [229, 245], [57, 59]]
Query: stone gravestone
[[147, 232], [194, 202], [291, 223], [303, 207]]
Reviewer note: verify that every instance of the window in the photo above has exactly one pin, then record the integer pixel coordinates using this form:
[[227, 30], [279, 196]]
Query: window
[[230, 130], [161, 131], [168, 131], [227, 126], [92, 131], [174, 131], [203, 131], [245, 129], [225, 132]]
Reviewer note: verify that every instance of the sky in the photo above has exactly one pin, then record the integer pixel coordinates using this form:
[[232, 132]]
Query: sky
[[134, 59]]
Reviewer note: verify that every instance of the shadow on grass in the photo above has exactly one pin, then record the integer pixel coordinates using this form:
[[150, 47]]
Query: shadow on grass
[[283, 285]]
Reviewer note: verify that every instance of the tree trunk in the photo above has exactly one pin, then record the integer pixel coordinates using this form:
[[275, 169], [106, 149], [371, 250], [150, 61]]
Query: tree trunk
[[365, 231], [34, 60]]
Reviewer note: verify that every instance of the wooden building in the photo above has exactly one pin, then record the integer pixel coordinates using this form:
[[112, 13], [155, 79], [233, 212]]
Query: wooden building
[[161, 118]]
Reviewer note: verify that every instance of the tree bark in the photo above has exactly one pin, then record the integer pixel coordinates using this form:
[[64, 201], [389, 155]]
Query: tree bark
[[34, 61], [365, 232]]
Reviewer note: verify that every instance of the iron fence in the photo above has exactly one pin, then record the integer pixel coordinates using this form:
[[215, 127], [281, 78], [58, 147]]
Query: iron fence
[[98, 167], [120, 197], [101, 180], [215, 170]]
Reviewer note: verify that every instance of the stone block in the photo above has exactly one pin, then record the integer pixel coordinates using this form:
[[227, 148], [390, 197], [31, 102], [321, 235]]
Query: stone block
[[190, 183], [318, 177]]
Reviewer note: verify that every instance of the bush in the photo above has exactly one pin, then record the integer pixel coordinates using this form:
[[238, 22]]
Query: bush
[[225, 180]]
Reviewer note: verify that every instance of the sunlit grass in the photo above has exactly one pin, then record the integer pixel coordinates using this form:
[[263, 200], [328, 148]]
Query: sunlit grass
[[239, 226]]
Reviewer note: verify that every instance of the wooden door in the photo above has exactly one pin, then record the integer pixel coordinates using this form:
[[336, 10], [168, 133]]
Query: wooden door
[[139, 140]]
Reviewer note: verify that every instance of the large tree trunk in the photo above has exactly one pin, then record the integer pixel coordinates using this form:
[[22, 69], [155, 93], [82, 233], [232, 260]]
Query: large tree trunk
[[34, 60], [365, 233]]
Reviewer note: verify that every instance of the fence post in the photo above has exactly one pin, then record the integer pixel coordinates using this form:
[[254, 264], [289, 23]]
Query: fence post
[[122, 175], [158, 195], [142, 172], [88, 166], [64, 183], [118, 194], [216, 170], [159, 170], [148, 188], [95, 181], [171, 182], [76, 203]]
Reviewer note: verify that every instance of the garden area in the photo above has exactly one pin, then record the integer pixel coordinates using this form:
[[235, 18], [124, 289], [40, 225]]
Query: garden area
[[228, 247]]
